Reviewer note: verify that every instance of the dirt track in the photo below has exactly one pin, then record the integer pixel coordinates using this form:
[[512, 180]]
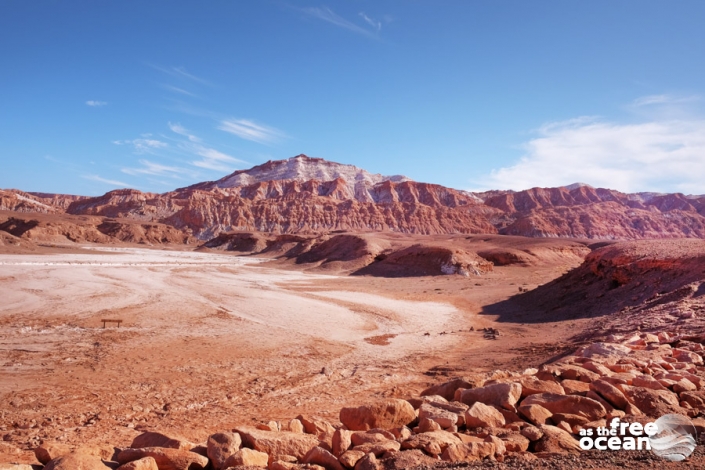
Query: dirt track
[[210, 340]]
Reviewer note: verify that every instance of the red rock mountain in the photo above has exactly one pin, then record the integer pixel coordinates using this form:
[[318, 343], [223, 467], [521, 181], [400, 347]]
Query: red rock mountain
[[310, 195]]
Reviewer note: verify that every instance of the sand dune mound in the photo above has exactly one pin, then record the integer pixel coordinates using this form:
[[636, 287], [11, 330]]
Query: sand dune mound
[[422, 260]]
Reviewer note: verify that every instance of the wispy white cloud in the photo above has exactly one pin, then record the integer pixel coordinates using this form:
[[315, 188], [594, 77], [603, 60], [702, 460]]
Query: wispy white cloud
[[371, 21], [96, 104], [180, 72], [178, 90], [665, 99], [143, 145], [659, 155], [151, 168], [105, 180], [328, 15], [250, 130], [181, 130], [214, 160]]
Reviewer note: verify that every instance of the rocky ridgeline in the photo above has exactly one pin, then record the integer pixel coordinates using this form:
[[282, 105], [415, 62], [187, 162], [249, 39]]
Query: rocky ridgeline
[[311, 195], [500, 416]]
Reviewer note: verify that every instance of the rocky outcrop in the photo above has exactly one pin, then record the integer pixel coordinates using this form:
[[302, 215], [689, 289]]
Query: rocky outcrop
[[63, 228]]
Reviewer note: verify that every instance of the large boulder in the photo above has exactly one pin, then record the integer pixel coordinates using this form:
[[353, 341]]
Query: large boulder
[[49, 451], [76, 461], [277, 444], [147, 463], [157, 439], [349, 458], [342, 441], [575, 387], [247, 458], [610, 393], [443, 417], [316, 426], [694, 399], [654, 403], [368, 462], [166, 458], [468, 452], [556, 440], [385, 415], [378, 448], [515, 442], [532, 385], [568, 404], [447, 389], [647, 381], [535, 414], [370, 437], [501, 395], [480, 415], [322, 457], [221, 446], [433, 443]]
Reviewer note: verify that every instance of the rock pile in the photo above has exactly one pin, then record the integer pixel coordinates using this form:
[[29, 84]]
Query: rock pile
[[506, 415]]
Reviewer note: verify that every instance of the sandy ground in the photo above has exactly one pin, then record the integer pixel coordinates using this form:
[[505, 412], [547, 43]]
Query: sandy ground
[[210, 340]]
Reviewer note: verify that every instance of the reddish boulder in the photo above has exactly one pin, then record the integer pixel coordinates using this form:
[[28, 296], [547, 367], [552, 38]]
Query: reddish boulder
[[386, 415], [166, 458], [157, 439], [277, 444], [322, 457], [76, 461], [222, 445], [433, 443], [247, 458], [654, 403], [480, 415], [610, 393], [572, 404], [147, 463], [49, 451], [531, 385], [556, 440], [501, 395]]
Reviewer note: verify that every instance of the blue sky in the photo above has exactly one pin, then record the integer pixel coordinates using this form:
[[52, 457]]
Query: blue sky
[[157, 95]]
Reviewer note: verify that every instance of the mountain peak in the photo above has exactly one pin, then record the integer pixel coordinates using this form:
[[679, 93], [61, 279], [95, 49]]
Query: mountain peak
[[573, 186], [304, 168]]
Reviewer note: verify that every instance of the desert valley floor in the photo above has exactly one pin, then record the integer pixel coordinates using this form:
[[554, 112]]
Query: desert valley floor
[[213, 339]]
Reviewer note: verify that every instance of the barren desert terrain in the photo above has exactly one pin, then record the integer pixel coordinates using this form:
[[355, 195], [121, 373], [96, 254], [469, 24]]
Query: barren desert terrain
[[210, 340]]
